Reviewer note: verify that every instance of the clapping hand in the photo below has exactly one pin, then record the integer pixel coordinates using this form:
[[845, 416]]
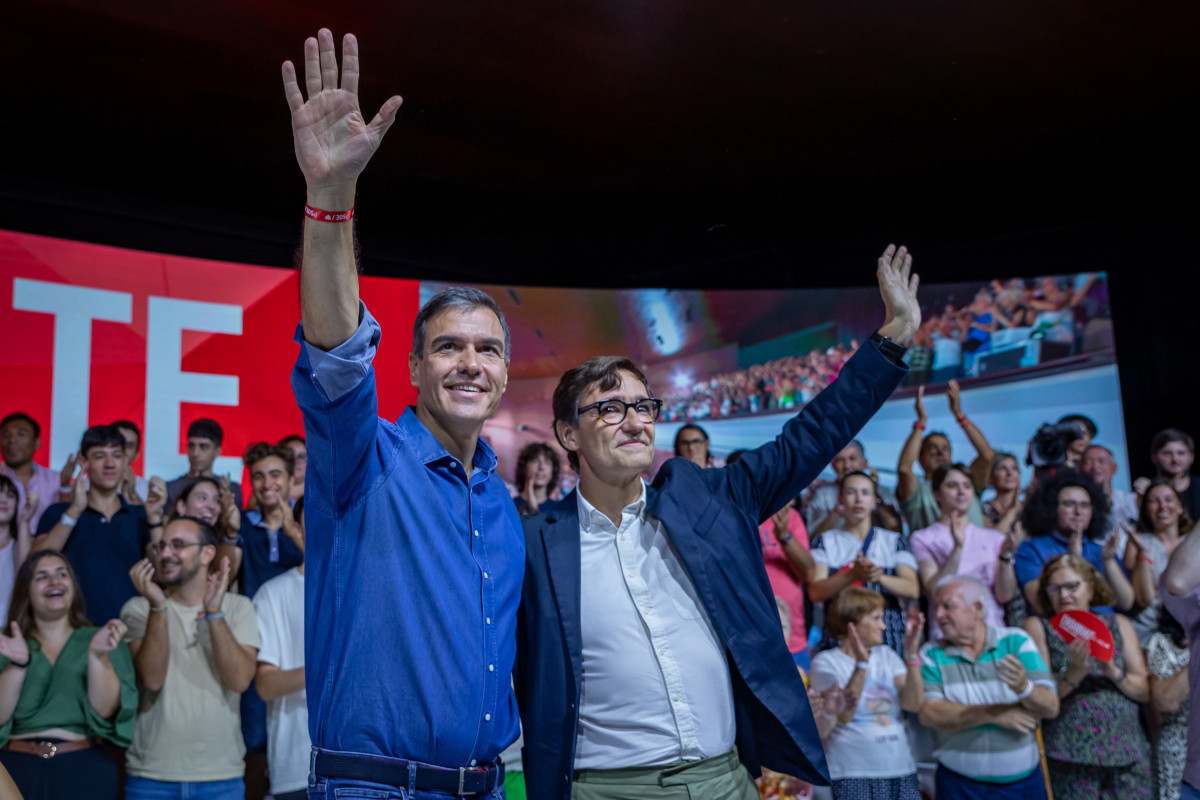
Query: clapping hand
[[142, 576], [218, 584], [914, 628], [156, 496], [954, 397], [13, 645], [29, 509], [857, 648], [919, 405], [107, 638], [898, 287], [1011, 671]]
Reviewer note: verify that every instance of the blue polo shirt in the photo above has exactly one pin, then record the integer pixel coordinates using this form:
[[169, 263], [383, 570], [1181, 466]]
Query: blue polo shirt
[[1033, 554], [265, 553], [412, 579], [102, 551]]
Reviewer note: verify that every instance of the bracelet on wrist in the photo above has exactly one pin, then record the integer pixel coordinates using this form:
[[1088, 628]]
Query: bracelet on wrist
[[158, 609], [214, 616], [863, 665], [918, 426], [962, 420], [19, 665], [1028, 690], [328, 216]]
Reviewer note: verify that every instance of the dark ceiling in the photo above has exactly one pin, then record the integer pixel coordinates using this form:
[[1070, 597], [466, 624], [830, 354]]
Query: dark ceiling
[[756, 143], [613, 142]]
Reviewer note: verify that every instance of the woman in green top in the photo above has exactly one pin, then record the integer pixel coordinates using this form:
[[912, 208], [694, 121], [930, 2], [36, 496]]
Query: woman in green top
[[63, 683]]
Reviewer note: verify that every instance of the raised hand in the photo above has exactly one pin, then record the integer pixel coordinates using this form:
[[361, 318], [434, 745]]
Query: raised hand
[[68, 471], [108, 637], [291, 529], [779, 522], [1011, 671], [218, 583], [1075, 541], [333, 141], [142, 576], [958, 531], [1109, 548], [13, 645], [79, 496], [231, 515], [156, 496], [914, 627], [898, 287], [954, 396], [29, 509], [857, 648], [1140, 486], [1011, 542], [128, 486], [919, 405]]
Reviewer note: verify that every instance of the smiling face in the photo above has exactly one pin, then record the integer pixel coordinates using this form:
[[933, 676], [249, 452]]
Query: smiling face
[[203, 502], [617, 453], [18, 443], [462, 374], [955, 494], [1074, 509], [1098, 464], [270, 480], [51, 590], [850, 459], [1006, 476], [182, 554], [857, 498], [1163, 507], [105, 463]]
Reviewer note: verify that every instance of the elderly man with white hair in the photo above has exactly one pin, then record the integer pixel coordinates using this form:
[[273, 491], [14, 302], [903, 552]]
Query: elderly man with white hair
[[985, 690]]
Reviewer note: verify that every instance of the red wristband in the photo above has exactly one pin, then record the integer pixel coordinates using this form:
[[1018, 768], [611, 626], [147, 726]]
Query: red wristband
[[962, 420], [328, 216], [918, 426]]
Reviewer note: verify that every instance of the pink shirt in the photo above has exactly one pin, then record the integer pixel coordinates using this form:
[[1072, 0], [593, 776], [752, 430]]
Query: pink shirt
[[981, 547], [44, 481], [788, 589]]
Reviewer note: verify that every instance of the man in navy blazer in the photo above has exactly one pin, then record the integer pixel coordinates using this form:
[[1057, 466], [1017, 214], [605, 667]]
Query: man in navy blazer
[[650, 655]]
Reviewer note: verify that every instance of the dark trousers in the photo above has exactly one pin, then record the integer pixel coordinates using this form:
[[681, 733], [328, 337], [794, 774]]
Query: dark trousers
[[949, 785], [83, 773]]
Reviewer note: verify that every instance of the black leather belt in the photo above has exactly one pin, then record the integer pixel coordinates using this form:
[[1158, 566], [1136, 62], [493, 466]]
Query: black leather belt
[[394, 771]]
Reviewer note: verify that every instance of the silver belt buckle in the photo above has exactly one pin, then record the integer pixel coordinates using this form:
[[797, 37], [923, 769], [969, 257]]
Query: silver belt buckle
[[53, 750], [462, 774]]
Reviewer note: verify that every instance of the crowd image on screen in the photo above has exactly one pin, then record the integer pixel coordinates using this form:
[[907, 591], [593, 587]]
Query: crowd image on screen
[[942, 620]]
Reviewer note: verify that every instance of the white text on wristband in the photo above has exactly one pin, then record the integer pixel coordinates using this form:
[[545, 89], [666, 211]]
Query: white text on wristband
[[328, 216]]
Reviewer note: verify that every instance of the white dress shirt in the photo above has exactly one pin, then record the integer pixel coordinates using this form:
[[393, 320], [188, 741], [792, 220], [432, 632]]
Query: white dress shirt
[[656, 684]]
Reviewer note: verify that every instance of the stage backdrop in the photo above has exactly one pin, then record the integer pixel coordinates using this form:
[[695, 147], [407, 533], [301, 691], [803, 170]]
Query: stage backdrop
[[95, 334]]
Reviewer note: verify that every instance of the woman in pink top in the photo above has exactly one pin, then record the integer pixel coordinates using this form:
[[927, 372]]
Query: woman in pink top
[[953, 546]]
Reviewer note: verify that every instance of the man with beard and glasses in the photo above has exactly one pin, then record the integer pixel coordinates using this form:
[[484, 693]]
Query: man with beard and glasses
[[194, 647]]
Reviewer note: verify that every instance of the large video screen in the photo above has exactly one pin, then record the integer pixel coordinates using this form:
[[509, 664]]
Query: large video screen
[[94, 334]]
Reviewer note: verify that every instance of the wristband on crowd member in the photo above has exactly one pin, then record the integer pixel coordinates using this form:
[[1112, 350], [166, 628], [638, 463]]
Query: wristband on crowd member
[[914, 662], [962, 420], [918, 426], [19, 665], [786, 539], [328, 216], [215, 617], [68, 520], [1028, 690], [154, 525], [157, 609], [863, 665]]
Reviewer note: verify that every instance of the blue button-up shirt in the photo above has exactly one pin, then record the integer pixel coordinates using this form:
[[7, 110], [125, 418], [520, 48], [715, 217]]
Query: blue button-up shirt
[[1035, 552], [413, 575]]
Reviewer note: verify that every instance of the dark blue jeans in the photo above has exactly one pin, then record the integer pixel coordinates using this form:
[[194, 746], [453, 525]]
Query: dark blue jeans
[[321, 788], [949, 785]]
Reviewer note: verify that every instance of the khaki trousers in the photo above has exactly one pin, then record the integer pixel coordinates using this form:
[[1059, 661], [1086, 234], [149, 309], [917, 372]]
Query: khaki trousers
[[716, 778]]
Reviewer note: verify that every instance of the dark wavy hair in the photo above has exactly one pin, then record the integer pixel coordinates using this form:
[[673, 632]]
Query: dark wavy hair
[[8, 487], [20, 610], [531, 451], [1040, 516], [1145, 524], [605, 372]]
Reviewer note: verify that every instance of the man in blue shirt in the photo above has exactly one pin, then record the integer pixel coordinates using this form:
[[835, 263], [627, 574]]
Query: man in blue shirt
[[414, 551]]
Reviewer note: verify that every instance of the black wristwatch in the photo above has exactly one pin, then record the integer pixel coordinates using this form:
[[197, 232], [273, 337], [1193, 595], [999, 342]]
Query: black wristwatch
[[891, 350]]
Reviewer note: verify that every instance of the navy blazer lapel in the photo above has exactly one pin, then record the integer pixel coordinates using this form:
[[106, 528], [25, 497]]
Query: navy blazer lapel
[[560, 537]]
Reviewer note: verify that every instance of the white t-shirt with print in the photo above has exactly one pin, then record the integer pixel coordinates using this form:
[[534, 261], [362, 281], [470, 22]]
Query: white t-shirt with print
[[279, 605], [874, 743]]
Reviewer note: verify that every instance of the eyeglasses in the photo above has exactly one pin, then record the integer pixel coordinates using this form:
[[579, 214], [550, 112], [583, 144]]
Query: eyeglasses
[[1071, 505], [177, 545], [1059, 588], [691, 442], [613, 412]]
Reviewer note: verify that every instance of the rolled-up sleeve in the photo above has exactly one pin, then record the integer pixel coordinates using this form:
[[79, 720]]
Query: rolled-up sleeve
[[339, 370]]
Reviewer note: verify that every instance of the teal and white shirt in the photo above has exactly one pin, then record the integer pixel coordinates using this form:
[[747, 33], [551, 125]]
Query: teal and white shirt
[[988, 753]]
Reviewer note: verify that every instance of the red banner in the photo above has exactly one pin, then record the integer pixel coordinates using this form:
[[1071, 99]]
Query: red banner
[[95, 334]]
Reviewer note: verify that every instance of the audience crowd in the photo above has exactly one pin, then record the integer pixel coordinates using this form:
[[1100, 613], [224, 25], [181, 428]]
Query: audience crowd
[[1068, 311], [1038, 635]]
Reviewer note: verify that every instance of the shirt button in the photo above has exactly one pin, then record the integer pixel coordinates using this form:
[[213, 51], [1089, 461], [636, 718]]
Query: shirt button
[[487, 717], [487, 620], [491, 667], [476, 533], [662, 652], [676, 698], [485, 574], [473, 762]]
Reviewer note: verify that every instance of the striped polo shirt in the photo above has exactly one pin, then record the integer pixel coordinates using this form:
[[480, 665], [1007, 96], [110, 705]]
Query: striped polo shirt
[[988, 753]]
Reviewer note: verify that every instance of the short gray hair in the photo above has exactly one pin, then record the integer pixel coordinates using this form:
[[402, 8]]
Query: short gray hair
[[973, 589], [457, 297]]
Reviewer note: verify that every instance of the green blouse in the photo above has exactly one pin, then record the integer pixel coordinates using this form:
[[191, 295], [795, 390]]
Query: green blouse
[[55, 696]]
